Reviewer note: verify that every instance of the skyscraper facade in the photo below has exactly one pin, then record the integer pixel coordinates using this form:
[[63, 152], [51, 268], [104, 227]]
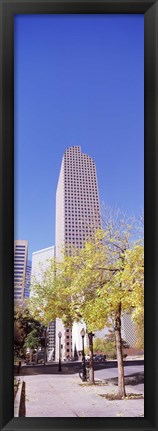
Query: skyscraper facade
[[28, 279], [77, 216], [40, 262], [20, 264], [77, 199]]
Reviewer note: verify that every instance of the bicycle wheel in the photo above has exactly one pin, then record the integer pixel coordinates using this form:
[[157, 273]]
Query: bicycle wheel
[[87, 374], [81, 374]]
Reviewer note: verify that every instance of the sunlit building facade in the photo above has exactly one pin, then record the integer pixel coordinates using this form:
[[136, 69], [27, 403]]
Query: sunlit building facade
[[20, 265], [40, 262], [28, 279], [77, 216]]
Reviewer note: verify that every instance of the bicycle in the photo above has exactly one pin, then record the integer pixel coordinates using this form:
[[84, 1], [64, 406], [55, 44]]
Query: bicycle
[[87, 374]]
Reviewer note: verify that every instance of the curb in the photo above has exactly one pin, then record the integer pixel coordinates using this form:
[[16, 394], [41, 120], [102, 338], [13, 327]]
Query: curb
[[17, 400]]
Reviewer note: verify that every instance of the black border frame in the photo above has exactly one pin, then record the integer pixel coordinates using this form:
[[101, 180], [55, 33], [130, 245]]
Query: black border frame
[[8, 8]]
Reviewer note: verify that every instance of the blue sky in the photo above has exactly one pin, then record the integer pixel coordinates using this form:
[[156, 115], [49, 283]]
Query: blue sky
[[79, 80]]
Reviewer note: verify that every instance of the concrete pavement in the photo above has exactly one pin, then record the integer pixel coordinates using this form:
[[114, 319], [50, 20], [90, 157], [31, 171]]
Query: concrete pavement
[[64, 395]]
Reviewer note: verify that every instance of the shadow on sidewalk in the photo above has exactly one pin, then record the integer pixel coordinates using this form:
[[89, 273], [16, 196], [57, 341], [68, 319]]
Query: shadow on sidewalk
[[30, 370], [22, 408], [131, 379], [66, 368]]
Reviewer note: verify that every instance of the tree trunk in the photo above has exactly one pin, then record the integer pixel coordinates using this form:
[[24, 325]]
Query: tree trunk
[[31, 355], [91, 365], [121, 382]]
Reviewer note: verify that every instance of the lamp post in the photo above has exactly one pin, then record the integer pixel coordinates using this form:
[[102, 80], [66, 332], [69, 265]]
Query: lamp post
[[59, 335], [83, 356], [45, 343]]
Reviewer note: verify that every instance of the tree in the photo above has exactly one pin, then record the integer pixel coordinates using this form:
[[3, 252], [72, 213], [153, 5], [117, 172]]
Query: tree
[[111, 282], [119, 288], [101, 345], [19, 336], [96, 284], [25, 324], [32, 341], [107, 345]]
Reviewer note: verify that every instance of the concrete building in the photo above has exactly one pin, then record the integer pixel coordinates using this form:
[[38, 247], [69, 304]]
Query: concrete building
[[77, 216], [20, 265], [40, 262]]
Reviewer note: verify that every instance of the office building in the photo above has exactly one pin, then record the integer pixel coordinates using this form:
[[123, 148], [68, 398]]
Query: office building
[[20, 265], [40, 262], [77, 200], [128, 330], [77, 216], [28, 279]]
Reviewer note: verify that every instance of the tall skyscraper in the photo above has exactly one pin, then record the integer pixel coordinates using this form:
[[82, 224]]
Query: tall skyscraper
[[28, 279], [40, 262], [77, 216], [77, 199], [20, 264]]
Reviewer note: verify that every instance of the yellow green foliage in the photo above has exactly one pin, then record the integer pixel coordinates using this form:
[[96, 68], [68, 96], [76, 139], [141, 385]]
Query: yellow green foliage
[[90, 284]]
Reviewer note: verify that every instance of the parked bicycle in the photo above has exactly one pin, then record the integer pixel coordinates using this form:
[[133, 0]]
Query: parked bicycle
[[87, 374]]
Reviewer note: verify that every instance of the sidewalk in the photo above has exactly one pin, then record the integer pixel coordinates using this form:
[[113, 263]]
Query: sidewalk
[[66, 396]]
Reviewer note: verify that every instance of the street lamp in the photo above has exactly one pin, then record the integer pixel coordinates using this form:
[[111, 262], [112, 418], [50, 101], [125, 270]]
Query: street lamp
[[59, 335], [45, 343], [83, 356]]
